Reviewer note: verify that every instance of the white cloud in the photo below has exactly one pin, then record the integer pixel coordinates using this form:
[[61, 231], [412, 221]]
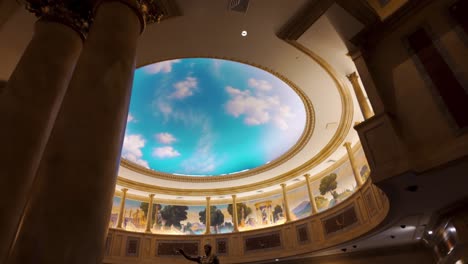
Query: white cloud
[[165, 138], [164, 66], [165, 152], [233, 91], [184, 88], [130, 118], [203, 160], [131, 149], [258, 108], [260, 84]]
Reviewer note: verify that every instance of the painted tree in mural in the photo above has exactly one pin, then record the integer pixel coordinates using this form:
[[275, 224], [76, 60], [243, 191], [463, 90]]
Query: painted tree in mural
[[216, 218], [329, 184], [242, 212], [277, 213], [173, 214], [144, 208]]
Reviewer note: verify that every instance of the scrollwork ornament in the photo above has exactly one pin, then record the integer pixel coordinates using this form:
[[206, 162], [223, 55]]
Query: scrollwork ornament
[[150, 10], [75, 14]]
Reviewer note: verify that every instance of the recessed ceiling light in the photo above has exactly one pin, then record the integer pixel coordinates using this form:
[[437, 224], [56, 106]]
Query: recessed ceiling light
[[244, 33], [429, 232], [276, 259]]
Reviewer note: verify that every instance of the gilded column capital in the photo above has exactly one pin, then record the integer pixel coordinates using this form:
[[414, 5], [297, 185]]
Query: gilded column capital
[[74, 14], [148, 11], [124, 190], [151, 11], [352, 76], [151, 195]]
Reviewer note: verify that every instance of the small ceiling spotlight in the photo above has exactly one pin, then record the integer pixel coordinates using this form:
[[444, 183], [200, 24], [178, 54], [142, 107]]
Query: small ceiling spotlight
[[354, 246], [276, 259], [403, 226], [392, 237], [429, 232], [244, 33], [343, 249]]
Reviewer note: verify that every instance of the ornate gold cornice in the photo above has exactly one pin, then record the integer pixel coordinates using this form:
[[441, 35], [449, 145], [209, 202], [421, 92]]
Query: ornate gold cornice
[[228, 200], [342, 131], [313, 178], [306, 135], [76, 16]]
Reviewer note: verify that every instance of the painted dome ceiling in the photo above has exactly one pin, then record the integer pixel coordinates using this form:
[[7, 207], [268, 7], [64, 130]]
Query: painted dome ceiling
[[206, 117]]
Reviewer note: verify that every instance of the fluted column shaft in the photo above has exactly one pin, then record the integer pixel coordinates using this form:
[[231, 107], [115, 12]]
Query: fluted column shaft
[[234, 213], [352, 161], [361, 98], [122, 208], [208, 216], [313, 204], [29, 104], [285, 201], [79, 168], [149, 214]]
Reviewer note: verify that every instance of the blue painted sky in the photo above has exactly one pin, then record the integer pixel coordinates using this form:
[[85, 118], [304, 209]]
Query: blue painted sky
[[209, 117]]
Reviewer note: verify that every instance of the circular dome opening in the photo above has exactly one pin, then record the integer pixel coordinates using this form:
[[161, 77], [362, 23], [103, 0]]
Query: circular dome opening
[[210, 117]]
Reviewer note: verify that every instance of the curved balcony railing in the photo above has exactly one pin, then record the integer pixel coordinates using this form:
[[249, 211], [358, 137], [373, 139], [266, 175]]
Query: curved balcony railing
[[358, 214]]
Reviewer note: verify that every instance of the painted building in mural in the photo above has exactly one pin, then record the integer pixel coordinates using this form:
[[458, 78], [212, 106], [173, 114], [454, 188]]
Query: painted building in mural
[[328, 190]]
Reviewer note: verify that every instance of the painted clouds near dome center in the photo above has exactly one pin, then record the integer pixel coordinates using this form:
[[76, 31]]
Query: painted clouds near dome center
[[204, 116]]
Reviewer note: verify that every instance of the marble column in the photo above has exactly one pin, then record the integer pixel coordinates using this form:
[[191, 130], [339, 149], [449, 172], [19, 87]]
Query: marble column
[[148, 215], [29, 103], [285, 201], [356, 173], [367, 81], [122, 208], [313, 204], [361, 98], [234, 213], [78, 172], [208, 216]]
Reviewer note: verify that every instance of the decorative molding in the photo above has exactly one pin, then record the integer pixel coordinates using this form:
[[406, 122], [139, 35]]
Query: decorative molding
[[262, 242], [169, 248], [343, 220], [304, 19], [130, 183], [76, 16], [306, 135], [342, 131], [288, 239]]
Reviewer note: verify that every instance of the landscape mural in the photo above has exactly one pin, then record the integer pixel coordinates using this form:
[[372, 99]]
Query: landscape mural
[[328, 190], [261, 213], [334, 187], [299, 203]]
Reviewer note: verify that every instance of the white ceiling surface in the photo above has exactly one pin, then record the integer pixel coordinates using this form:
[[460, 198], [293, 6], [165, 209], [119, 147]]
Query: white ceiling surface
[[208, 29], [213, 31]]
